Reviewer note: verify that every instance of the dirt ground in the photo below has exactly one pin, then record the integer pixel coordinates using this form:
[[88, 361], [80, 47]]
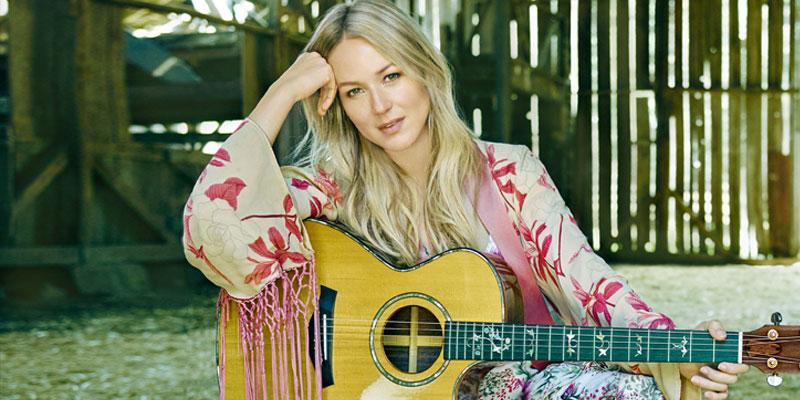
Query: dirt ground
[[140, 351]]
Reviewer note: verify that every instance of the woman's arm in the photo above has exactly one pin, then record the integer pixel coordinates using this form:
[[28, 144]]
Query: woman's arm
[[242, 221]]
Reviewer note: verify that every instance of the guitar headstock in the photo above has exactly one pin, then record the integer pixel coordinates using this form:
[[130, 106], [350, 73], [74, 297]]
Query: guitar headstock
[[773, 348]]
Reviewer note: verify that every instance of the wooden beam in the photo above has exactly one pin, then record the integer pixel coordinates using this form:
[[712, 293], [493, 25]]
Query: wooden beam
[[38, 256], [192, 103], [502, 58], [68, 256], [130, 197], [663, 112], [7, 172], [42, 181]]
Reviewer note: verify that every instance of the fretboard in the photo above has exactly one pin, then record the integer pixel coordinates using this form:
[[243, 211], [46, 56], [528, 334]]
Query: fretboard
[[516, 342]]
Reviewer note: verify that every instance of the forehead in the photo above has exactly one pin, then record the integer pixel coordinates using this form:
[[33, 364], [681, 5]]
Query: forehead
[[354, 59]]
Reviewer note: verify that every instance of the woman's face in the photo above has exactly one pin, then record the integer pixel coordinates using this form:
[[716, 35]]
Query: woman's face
[[387, 107]]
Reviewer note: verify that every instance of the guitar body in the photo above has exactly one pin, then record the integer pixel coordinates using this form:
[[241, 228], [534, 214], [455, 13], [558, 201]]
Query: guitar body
[[384, 325]]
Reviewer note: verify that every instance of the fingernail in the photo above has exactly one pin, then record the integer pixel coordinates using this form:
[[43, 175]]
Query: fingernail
[[695, 379], [704, 370]]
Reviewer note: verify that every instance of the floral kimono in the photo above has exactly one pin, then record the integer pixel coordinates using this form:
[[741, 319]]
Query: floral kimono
[[242, 229]]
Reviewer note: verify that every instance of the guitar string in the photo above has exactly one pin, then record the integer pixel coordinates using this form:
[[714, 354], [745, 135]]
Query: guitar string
[[368, 322], [529, 342], [748, 356], [582, 330], [438, 333]]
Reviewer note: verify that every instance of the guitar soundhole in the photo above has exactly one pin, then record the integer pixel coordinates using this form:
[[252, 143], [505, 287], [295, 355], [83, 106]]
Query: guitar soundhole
[[412, 339]]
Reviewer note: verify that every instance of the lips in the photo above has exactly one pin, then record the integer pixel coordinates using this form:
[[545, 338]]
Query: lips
[[392, 126]]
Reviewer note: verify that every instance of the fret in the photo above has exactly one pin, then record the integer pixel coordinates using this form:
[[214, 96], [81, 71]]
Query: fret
[[594, 342], [648, 346], [713, 350], [462, 332], [630, 333], [690, 346], [611, 345], [446, 349], [459, 335], [468, 335], [668, 345], [740, 340], [491, 353], [549, 341]]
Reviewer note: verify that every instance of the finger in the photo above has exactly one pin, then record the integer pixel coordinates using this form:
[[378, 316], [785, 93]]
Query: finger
[[331, 91], [716, 396], [708, 384], [733, 368], [323, 98], [716, 330], [718, 376]]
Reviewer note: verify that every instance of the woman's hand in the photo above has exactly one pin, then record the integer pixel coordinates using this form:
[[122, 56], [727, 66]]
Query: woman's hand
[[713, 381], [309, 73]]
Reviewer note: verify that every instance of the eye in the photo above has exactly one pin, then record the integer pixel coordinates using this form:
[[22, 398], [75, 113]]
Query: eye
[[353, 92], [391, 77]]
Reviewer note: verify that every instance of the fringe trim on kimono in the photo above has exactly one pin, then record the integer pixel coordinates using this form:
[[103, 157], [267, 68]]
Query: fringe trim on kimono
[[280, 313]]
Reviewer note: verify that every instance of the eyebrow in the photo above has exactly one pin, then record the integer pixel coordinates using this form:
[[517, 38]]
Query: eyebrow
[[377, 73]]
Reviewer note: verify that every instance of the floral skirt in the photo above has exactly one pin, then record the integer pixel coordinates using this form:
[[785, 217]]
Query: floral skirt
[[566, 381]]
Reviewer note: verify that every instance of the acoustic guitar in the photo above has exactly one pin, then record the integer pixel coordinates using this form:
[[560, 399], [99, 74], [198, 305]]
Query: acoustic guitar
[[433, 330]]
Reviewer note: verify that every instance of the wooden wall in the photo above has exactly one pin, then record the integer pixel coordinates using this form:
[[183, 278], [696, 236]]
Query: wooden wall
[[689, 112]]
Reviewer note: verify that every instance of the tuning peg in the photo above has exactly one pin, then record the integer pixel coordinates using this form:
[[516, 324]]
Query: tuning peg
[[776, 318], [774, 380]]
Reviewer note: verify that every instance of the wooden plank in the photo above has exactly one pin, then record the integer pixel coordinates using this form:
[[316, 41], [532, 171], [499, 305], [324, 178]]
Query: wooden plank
[[697, 55], [734, 133], [754, 149], [713, 56], [735, 69], [678, 40], [794, 79], [624, 97], [502, 58], [38, 256], [697, 43], [734, 171], [7, 171], [581, 187], [192, 103], [779, 165], [130, 197], [663, 110], [604, 124], [35, 187], [680, 161], [716, 168], [775, 43], [642, 174], [642, 45], [71, 255]]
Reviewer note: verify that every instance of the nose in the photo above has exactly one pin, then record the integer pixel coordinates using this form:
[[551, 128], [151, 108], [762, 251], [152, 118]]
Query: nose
[[381, 102]]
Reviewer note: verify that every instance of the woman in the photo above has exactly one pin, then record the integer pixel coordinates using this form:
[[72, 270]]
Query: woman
[[390, 158]]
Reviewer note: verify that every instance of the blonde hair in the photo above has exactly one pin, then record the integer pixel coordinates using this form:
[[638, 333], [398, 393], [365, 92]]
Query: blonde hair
[[379, 201]]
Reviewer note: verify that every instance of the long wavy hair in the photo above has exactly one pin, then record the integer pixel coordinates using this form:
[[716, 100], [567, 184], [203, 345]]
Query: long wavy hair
[[379, 202]]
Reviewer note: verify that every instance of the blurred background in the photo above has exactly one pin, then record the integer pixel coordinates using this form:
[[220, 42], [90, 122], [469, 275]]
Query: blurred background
[[671, 128]]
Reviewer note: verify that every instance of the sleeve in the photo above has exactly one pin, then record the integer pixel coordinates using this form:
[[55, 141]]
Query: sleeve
[[242, 221], [581, 286]]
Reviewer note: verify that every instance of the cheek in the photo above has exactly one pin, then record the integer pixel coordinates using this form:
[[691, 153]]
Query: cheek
[[354, 113]]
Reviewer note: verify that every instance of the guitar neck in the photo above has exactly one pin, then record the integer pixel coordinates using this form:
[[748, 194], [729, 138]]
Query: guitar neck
[[518, 342]]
